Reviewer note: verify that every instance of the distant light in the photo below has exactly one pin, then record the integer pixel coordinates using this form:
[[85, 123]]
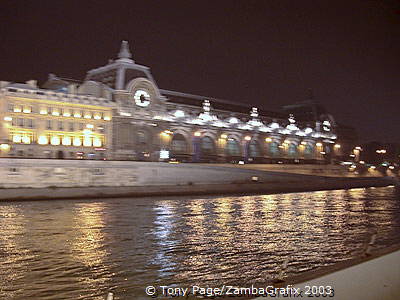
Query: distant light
[[318, 144], [372, 167], [381, 151], [358, 148], [391, 167], [247, 138], [337, 146], [254, 178], [268, 139], [308, 130], [362, 162], [233, 120], [323, 152], [303, 143], [224, 136], [164, 154], [179, 114], [197, 133], [241, 162]]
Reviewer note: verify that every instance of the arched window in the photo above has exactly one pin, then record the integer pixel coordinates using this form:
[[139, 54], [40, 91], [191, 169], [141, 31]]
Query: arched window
[[179, 144], [232, 147], [292, 150], [207, 145], [308, 151], [254, 149], [274, 149], [141, 138]]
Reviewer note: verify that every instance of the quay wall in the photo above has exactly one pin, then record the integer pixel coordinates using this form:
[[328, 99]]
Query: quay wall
[[50, 179]]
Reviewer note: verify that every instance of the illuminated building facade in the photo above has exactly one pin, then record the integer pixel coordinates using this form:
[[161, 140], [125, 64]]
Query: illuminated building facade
[[118, 112]]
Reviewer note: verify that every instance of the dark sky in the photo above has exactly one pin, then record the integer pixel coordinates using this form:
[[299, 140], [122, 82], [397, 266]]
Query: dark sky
[[263, 53]]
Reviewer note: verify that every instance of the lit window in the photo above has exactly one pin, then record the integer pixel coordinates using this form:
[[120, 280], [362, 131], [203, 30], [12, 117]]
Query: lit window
[[107, 118], [66, 141], [87, 142], [77, 115], [27, 110], [17, 109], [17, 138], [97, 117], [55, 140], [26, 139], [43, 140], [88, 115], [67, 113], [97, 142], [55, 113], [77, 141], [43, 111]]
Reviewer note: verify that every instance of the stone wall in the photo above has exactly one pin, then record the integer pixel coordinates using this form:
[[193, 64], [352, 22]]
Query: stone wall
[[39, 173]]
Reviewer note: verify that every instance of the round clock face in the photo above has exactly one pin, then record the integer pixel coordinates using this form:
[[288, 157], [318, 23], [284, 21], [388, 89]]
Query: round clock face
[[142, 98]]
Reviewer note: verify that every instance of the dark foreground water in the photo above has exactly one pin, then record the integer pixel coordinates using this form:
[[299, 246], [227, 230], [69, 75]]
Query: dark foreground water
[[81, 249]]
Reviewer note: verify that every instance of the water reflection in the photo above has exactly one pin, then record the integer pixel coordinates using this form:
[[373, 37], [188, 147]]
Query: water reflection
[[83, 249]]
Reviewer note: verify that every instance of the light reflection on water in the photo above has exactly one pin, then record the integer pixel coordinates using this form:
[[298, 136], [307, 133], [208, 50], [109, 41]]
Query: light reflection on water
[[82, 249]]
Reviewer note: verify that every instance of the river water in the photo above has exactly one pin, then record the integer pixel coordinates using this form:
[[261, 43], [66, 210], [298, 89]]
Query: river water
[[83, 249]]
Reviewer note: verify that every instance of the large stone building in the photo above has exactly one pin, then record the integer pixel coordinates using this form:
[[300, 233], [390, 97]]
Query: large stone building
[[118, 112]]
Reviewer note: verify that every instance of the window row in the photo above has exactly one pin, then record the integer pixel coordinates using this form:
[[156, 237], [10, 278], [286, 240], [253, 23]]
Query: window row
[[55, 140], [65, 112], [55, 125]]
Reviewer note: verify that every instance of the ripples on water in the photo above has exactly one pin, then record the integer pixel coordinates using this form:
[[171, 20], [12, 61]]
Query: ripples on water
[[80, 249]]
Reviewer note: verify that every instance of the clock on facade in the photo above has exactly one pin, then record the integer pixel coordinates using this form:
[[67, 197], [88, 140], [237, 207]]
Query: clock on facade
[[142, 98]]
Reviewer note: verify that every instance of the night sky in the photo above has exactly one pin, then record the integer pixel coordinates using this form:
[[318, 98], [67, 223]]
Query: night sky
[[262, 53]]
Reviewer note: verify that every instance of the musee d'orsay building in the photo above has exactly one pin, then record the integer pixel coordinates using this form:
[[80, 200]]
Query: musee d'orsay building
[[118, 112]]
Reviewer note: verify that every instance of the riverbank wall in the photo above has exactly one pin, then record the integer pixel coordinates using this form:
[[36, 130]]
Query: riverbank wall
[[29, 179]]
